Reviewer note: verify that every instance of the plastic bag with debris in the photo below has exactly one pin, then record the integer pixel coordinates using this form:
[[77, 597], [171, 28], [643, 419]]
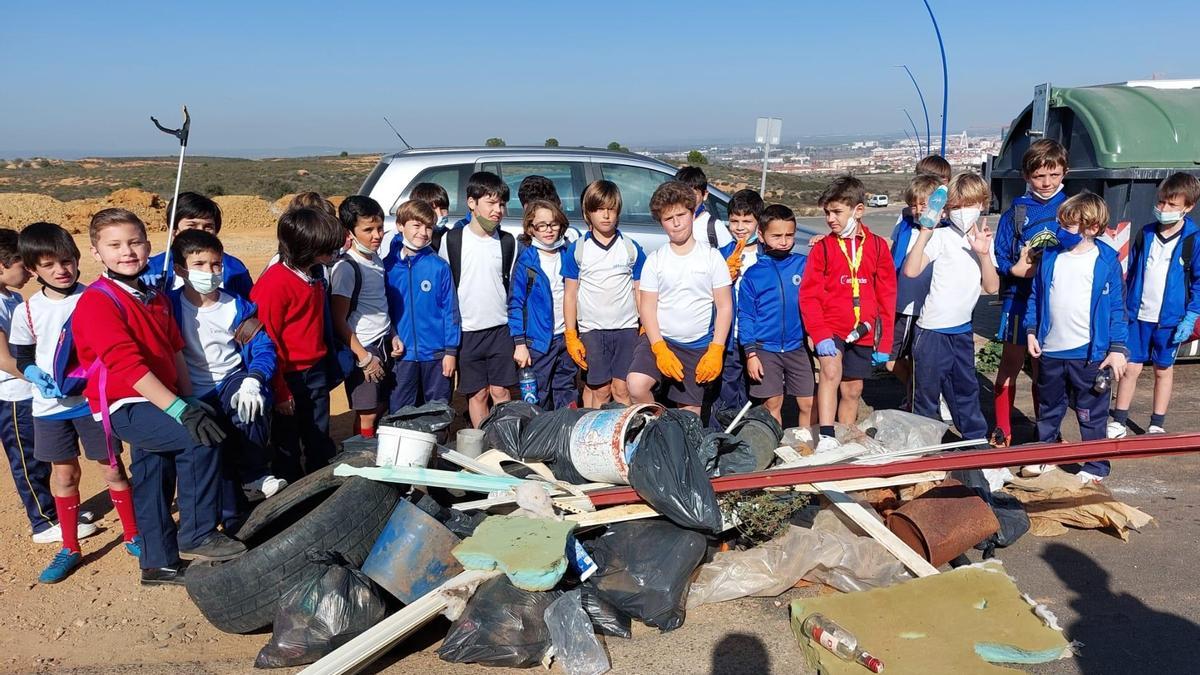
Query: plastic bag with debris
[[501, 626]]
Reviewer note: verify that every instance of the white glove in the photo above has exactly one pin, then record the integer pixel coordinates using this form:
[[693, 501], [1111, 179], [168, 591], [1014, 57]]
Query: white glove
[[249, 400]]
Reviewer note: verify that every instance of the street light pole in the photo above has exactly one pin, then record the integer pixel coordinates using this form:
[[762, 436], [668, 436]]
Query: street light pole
[[945, 75], [928, 135], [762, 186], [914, 126], [766, 131]]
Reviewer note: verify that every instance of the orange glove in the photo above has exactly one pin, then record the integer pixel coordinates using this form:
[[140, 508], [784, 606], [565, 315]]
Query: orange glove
[[709, 367], [734, 261], [668, 364], [575, 348]]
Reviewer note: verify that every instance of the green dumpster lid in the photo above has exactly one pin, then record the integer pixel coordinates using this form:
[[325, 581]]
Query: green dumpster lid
[[1137, 127]]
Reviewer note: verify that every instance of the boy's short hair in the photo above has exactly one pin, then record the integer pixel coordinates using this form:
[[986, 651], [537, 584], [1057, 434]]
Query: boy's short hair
[[312, 200], [358, 206], [920, 187], [10, 250], [107, 218], [1043, 153], [747, 202], [778, 212], [1180, 184], [194, 241], [415, 209], [537, 187], [846, 190], [531, 210], [936, 165], [1086, 209], [42, 240], [968, 188], [305, 234], [195, 205], [432, 194], [601, 194], [672, 193], [487, 184], [693, 177]]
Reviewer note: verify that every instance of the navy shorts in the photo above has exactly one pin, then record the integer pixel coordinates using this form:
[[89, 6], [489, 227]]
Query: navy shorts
[[905, 329], [418, 382], [1150, 342], [362, 395], [59, 440], [609, 354], [856, 360], [788, 373], [687, 392], [486, 358]]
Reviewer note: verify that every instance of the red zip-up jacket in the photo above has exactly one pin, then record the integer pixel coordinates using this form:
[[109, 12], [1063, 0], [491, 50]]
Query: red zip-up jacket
[[292, 311], [826, 295]]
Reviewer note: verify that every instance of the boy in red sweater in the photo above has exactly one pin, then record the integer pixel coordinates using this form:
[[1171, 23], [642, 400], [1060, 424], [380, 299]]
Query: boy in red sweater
[[140, 386], [291, 303], [850, 280]]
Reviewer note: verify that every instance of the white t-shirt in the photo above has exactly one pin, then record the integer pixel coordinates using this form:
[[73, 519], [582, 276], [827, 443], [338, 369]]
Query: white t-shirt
[[605, 300], [209, 349], [48, 318], [369, 320], [956, 283], [1154, 281], [552, 266], [11, 388], [685, 284], [482, 299], [700, 230], [1071, 301]]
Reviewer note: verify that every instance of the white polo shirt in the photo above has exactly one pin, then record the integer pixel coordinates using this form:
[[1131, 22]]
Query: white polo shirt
[[685, 285], [605, 275], [1154, 280], [482, 298], [369, 320], [956, 283], [1070, 301]]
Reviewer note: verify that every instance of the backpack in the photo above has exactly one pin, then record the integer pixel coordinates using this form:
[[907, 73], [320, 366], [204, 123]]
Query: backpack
[[340, 361], [1187, 248], [508, 252], [1020, 213]]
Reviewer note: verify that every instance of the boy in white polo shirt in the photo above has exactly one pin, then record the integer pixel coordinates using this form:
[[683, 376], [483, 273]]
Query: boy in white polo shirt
[[686, 308], [601, 273], [944, 346]]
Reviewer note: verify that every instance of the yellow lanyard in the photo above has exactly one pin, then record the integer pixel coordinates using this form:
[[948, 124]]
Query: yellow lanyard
[[854, 263]]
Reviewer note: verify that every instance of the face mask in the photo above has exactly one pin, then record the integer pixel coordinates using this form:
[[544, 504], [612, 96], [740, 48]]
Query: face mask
[[752, 239], [963, 219], [552, 246], [850, 228], [777, 253], [203, 282], [1048, 197], [486, 225], [443, 222], [1066, 238], [365, 250], [415, 249], [1167, 217]]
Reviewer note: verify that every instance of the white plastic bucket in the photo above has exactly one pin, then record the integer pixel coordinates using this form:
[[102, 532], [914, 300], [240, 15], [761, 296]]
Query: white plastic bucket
[[403, 447], [600, 444]]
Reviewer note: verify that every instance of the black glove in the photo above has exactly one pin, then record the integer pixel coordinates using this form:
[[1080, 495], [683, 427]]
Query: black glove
[[199, 422]]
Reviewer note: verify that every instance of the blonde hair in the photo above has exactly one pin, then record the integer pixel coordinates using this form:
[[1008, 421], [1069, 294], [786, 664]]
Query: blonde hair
[[109, 218], [920, 187], [601, 194], [968, 188], [1087, 210]]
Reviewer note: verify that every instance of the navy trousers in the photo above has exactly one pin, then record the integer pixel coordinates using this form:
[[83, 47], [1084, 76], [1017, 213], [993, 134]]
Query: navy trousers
[[167, 464], [1067, 383], [734, 392], [418, 382], [555, 372], [302, 440], [244, 454], [32, 477], [944, 366]]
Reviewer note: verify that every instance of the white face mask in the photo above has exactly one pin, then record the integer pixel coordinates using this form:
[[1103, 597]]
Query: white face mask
[[849, 229], [408, 245], [1167, 217], [552, 246], [203, 282], [963, 219], [361, 248], [1049, 196], [442, 222]]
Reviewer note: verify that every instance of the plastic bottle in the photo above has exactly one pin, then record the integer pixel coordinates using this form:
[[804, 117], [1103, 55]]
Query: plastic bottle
[[933, 212], [529, 388], [839, 641], [1103, 381], [858, 333]]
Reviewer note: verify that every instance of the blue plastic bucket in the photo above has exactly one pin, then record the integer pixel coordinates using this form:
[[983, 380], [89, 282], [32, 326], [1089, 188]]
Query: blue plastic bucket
[[412, 555]]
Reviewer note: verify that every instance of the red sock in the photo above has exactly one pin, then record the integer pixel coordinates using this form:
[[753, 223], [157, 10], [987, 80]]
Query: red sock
[[367, 432], [123, 502], [68, 521], [1004, 400]]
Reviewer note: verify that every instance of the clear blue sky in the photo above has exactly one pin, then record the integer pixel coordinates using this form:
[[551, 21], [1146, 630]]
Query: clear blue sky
[[83, 77]]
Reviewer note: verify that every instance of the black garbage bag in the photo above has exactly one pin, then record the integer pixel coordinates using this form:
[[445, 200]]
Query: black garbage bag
[[547, 438], [501, 626], [667, 472], [693, 428], [725, 454], [429, 418], [606, 619], [503, 426], [645, 568], [1014, 522], [324, 611]]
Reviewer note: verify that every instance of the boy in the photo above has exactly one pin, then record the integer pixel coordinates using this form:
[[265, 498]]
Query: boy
[[229, 359], [706, 227], [943, 353], [745, 217], [358, 301], [1075, 323], [424, 310], [481, 258], [436, 197], [195, 211], [1044, 165], [61, 422], [685, 306], [537, 187], [770, 328], [910, 293], [601, 274], [934, 165], [1162, 298], [850, 280], [126, 326]]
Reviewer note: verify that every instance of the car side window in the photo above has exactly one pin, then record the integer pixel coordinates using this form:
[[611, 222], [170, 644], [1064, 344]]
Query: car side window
[[453, 178], [717, 208], [637, 184], [568, 178]]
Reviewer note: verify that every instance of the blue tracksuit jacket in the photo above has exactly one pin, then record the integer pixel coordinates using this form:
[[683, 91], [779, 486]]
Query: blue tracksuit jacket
[[423, 304], [1109, 329], [235, 278], [258, 355], [1179, 291], [531, 307], [768, 310], [1040, 218]]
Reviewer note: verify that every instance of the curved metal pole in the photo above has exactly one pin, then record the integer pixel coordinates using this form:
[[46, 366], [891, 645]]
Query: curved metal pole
[[945, 75], [914, 125], [928, 135]]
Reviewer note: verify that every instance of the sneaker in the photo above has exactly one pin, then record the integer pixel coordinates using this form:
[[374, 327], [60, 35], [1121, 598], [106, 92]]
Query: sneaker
[[944, 411], [53, 535], [1155, 429], [1088, 478], [267, 486], [216, 547], [826, 443], [60, 568], [1116, 430], [161, 576], [1031, 470], [998, 439], [134, 546]]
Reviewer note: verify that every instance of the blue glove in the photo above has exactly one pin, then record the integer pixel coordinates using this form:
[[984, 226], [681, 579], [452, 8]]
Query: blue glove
[[1184, 332], [45, 384], [827, 347], [879, 358]]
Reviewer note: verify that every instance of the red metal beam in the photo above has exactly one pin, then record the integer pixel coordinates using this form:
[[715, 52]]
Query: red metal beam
[[1041, 453]]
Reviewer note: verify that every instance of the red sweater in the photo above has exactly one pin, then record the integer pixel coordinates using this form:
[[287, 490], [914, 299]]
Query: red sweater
[[826, 295], [143, 339], [292, 311]]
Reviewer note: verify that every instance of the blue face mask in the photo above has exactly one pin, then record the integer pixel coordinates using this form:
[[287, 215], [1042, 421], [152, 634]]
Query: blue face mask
[[1067, 239]]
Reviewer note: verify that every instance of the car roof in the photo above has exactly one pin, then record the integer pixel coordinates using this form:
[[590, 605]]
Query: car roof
[[517, 149]]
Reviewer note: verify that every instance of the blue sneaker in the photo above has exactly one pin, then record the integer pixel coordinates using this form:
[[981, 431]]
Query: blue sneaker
[[60, 568], [134, 546]]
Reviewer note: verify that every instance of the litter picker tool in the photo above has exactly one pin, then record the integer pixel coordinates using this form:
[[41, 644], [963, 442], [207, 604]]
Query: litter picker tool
[[182, 134]]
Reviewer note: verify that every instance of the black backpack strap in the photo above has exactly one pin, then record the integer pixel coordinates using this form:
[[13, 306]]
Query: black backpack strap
[[712, 231], [508, 252], [1188, 246], [356, 289], [454, 253], [1018, 220]]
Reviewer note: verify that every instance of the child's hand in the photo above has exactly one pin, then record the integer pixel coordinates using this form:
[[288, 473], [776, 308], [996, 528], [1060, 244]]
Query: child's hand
[[248, 400], [287, 407], [982, 243], [815, 239], [45, 384], [449, 363], [1035, 347], [754, 368], [709, 366], [397, 346], [373, 371], [575, 349], [1116, 361], [827, 347], [521, 356], [668, 364], [734, 261]]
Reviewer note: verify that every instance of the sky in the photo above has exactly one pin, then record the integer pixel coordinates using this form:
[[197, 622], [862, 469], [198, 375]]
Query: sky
[[273, 77]]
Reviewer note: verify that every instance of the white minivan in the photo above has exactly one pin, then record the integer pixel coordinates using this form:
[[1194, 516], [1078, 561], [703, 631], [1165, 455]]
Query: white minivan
[[877, 200]]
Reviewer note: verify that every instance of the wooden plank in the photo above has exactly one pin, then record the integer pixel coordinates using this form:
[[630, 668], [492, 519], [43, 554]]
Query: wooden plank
[[469, 463], [876, 530], [616, 514]]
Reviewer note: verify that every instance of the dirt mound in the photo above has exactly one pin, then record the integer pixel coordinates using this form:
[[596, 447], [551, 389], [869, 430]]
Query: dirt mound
[[240, 211], [18, 209], [133, 198], [282, 203]]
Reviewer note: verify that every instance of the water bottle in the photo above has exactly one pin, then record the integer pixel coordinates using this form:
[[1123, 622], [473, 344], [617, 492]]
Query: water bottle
[[933, 212], [1103, 380], [839, 641], [858, 333], [529, 389]]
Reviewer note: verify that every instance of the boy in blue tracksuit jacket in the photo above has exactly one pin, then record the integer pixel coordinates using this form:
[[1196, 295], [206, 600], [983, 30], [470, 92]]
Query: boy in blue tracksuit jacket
[[770, 328], [1076, 340], [423, 305], [229, 359], [197, 212], [535, 306], [1162, 297], [745, 219]]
